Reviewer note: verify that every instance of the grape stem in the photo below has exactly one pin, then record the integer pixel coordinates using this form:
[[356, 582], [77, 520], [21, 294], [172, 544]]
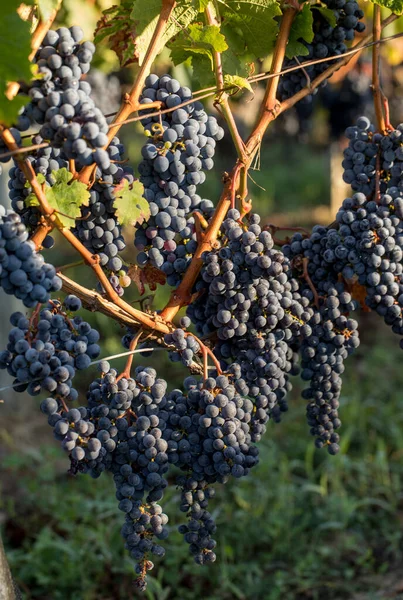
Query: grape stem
[[376, 59], [213, 18], [40, 233], [206, 352], [133, 345], [131, 101]]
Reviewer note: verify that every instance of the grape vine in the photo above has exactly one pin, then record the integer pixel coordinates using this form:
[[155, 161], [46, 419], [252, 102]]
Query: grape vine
[[259, 310]]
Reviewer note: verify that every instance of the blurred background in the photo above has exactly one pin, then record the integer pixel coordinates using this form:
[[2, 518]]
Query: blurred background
[[304, 525]]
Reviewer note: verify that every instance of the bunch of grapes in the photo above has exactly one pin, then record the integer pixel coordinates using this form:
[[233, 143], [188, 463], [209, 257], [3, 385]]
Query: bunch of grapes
[[179, 151], [23, 272], [44, 353], [76, 129], [372, 156], [328, 41], [61, 102]]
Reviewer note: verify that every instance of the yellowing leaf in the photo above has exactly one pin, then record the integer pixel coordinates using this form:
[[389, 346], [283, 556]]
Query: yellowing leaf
[[131, 208], [65, 197], [237, 81]]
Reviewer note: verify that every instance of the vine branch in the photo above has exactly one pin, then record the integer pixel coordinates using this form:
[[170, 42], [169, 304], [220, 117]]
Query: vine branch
[[376, 59], [212, 18]]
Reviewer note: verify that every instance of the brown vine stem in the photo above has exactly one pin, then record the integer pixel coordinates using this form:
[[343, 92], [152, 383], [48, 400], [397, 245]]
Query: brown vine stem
[[212, 18], [133, 345], [376, 60], [36, 40], [40, 233], [183, 293], [270, 101], [49, 213], [131, 101]]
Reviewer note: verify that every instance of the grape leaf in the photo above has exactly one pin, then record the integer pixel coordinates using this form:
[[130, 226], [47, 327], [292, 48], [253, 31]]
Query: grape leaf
[[235, 59], [116, 23], [396, 6], [131, 207], [301, 29], [328, 14], [145, 14], [203, 75], [46, 7], [15, 47], [198, 39], [148, 275], [65, 196], [237, 81], [255, 20]]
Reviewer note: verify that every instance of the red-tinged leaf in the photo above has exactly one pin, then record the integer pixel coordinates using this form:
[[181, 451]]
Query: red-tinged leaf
[[147, 275], [137, 276], [116, 23], [153, 276]]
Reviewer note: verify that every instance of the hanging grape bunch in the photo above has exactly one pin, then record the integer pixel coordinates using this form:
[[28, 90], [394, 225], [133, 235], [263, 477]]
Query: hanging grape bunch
[[259, 310]]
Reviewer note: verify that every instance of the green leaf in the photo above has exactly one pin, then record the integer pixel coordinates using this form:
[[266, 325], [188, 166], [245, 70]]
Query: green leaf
[[237, 81], [235, 59], [199, 42], [46, 7], [63, 196], [208, 35], [203, 5], [131, 207], [396, 6], [145, 14], [15, 47], [255, 20], [203, 75], [328, 14], [198, 39], [302, 29], [9, 109]]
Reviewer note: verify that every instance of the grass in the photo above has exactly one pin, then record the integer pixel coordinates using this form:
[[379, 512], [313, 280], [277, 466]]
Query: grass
[[303, 526]]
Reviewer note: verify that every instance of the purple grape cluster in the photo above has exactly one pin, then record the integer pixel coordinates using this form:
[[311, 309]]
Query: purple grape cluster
[[23, 272], [328, 41], [44, 354], [179, 150], [61, 102]]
